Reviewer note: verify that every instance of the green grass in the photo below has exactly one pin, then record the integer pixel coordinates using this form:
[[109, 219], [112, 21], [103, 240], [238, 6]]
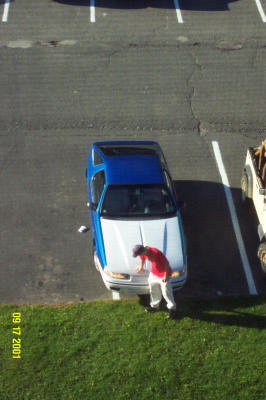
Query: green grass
[[216, 349]]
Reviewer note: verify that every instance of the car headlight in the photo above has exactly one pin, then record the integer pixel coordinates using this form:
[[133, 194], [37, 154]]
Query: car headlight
[[177, 274], [117, 275]]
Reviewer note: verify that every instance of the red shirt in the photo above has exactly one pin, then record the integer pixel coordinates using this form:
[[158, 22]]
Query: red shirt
[[158, 261]]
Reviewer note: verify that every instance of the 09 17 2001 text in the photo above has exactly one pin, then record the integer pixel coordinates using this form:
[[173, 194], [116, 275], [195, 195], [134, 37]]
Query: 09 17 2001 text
[[16, 339]]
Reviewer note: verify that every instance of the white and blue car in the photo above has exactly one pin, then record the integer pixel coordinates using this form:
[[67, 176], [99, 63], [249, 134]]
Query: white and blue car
[[132, 201]]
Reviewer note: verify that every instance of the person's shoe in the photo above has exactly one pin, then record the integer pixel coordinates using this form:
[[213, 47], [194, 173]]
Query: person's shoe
[[152, 309], [171, 314]]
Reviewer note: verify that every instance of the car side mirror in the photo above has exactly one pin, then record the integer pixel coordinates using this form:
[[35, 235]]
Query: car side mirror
[[92, 206]]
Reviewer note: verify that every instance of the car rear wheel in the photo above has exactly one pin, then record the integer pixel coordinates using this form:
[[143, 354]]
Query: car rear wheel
[[262, 256]]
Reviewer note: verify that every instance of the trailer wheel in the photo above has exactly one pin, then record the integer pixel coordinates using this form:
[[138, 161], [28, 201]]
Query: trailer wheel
[[262, 256], [245, 190]]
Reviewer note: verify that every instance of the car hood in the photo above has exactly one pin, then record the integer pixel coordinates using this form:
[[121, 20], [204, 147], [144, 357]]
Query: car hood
[[120, 236]]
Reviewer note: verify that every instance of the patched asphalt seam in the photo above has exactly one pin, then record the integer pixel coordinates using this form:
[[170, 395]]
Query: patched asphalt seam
[[27, 44]]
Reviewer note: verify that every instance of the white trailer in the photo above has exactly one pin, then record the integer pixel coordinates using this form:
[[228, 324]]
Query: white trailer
[[253, 185]]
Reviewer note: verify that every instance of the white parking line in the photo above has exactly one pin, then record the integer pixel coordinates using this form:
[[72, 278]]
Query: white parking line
[[261, 11], [230, 202], [178, 12], [6, 10], [92, 11]]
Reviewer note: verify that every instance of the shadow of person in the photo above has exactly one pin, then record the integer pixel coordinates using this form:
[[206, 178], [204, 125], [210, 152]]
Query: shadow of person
[[224, 311]]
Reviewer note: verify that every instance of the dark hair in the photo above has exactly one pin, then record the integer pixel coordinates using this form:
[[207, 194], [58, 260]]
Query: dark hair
[[137, 250]]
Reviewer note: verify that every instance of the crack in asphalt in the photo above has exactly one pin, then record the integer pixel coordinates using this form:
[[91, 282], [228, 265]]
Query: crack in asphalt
[[192, 94]]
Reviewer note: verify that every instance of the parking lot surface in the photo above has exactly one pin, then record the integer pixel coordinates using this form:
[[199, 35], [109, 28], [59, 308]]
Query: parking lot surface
[[186, 74]]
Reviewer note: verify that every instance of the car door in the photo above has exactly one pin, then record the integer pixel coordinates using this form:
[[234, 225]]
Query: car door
[[95, 164], [96, 187]]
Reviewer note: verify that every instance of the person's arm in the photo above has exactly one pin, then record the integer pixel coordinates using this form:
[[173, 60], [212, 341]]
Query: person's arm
[[167, 271], [140, 267]]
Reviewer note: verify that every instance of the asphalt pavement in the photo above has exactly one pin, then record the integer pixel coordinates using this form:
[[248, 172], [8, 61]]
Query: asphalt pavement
[[73, 72]]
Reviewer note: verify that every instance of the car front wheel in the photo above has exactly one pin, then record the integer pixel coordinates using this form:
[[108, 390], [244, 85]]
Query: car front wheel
[[96, 261], [262, 256]]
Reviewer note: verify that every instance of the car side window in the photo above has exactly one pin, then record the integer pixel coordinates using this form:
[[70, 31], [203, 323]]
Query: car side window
[[162, 158], [97, 159], [169, 183], [97, 186]]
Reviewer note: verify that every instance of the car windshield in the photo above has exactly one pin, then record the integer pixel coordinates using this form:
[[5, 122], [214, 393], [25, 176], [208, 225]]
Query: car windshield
[[137, 201]]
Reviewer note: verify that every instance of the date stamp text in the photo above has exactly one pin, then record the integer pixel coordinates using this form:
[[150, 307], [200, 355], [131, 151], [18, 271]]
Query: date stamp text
[[16, 339]]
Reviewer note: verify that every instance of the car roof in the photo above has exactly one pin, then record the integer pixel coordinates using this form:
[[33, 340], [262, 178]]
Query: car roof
[[143, 167]]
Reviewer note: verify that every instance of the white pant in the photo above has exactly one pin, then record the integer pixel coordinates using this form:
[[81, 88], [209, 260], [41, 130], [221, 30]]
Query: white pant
[[159, 288]]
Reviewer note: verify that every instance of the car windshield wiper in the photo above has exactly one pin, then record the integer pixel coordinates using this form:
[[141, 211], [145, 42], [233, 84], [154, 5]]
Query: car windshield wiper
[[114, 216], [132, 216]]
